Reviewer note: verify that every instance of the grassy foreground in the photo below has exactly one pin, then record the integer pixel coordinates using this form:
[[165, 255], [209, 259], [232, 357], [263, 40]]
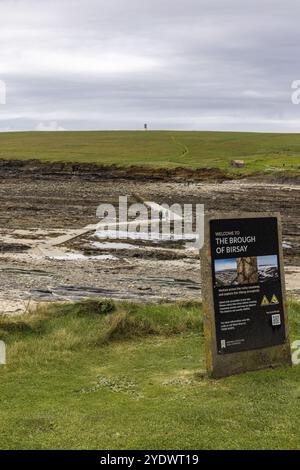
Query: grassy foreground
[[165, 149], [95, 375]]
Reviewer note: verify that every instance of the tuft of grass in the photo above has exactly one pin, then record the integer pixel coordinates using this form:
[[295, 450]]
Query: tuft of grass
[[294, 317], [85, 307], [141, 320], [99, 321]]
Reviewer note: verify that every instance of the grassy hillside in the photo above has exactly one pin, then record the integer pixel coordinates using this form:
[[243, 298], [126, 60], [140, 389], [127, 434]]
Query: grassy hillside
[[158, 149], [92, 375]]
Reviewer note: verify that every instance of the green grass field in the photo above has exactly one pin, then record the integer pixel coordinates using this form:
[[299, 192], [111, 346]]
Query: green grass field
[[95, 376], [261, 152]]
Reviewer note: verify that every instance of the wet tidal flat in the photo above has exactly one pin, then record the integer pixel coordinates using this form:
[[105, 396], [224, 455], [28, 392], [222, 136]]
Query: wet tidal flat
[[47, 255]]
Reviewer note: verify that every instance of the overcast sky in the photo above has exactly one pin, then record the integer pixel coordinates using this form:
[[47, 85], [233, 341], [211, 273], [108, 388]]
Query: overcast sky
[[175, 64]]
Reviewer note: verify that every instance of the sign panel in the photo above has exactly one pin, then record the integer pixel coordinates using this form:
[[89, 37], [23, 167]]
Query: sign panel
[[247, 284], [243, 290]]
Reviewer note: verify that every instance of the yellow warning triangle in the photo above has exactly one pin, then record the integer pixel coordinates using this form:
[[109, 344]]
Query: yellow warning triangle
[[274, 299], [265, 301]]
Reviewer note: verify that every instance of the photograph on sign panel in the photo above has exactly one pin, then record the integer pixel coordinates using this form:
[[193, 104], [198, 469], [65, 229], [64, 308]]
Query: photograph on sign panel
[[267, 268], [226, 272]]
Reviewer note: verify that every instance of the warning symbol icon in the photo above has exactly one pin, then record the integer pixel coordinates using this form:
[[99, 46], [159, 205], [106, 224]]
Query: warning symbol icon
[[274, 300], [265, 301]]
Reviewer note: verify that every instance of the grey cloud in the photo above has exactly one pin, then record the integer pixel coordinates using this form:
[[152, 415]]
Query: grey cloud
[[189, 64]]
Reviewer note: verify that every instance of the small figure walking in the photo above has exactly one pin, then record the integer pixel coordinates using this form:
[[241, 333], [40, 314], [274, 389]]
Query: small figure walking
[[145, 126]]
